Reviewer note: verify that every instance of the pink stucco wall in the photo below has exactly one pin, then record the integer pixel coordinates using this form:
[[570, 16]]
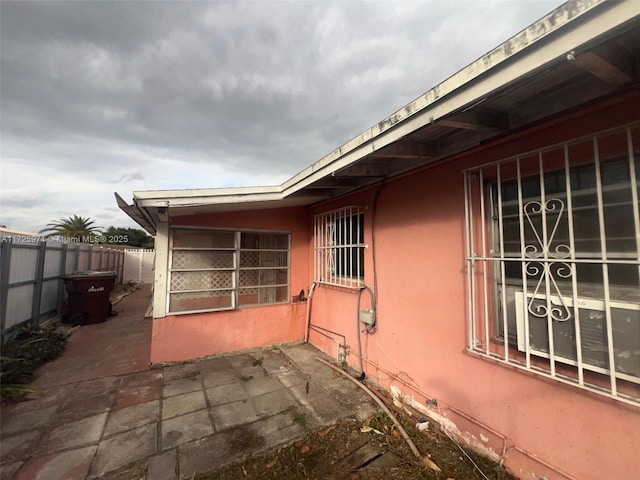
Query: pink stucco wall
[[183, 337], [420, 343]]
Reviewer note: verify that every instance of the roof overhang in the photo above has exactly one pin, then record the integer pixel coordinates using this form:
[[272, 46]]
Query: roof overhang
[[581, 51]]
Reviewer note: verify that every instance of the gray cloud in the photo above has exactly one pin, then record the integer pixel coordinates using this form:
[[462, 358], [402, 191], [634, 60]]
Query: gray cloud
[[203, 94]]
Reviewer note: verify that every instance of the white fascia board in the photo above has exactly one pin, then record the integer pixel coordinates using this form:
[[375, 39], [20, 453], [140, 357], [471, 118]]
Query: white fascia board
[[175, 198], [457, 91]]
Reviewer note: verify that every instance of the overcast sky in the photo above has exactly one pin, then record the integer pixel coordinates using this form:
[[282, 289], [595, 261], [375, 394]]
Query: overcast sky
[[104, 96]]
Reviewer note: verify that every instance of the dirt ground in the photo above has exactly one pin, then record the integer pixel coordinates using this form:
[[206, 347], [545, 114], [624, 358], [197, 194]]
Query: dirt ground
[[355, 451]]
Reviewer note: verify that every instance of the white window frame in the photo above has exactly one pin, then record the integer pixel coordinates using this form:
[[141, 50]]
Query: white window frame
[[339, 247], [548, 270], [235, 269]]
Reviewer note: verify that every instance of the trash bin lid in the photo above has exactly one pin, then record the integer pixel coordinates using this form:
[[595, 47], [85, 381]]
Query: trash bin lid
[[90, 274]]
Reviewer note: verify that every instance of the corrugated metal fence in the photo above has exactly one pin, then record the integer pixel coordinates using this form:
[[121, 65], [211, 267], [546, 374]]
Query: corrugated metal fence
[[32, 271]]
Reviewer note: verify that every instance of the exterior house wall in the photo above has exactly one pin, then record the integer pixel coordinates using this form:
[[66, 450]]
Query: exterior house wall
[[419, 347], [187, 336]]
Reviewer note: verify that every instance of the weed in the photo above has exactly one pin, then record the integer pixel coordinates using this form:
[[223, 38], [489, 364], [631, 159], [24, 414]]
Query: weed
[[23, 355], [299, 418], [257, 362]]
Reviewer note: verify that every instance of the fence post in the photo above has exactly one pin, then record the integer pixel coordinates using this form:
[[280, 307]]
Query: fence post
[[121, 266], [5, 262], [140, 258], [62, 272], [37, 287]]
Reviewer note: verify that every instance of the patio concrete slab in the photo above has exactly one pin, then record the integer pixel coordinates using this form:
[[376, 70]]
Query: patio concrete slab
[[226, 394], [185, 403], [16, 446], [218, 378], [181, 385], [69, 465], [232, 414], [217, 364], [242, 360], [103, 415], [82, 406], [137, 388], [177, 372], [163, 466], [183, 429], [132, 417], [291, 378], [125, 448], [74, 434], [273, 402], [28, 420], [271, 360], [218, 450], [260, 386]]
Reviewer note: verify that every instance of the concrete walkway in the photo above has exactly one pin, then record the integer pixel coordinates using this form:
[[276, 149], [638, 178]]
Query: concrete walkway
[[101, 409]]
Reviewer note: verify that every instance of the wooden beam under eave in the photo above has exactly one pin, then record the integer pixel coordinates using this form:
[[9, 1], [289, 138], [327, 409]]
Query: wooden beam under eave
[[614, 73], [477, 120]]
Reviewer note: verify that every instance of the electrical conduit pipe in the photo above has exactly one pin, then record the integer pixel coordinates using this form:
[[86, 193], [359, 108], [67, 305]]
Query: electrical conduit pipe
[[309, 299], [404, 433]]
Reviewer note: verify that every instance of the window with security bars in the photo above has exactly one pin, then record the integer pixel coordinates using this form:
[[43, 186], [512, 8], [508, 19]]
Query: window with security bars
[[339, 247], [220, 270], [553, 255]]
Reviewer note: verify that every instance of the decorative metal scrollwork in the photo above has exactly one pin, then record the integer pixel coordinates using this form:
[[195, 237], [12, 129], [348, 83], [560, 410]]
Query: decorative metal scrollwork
[[540, 268]]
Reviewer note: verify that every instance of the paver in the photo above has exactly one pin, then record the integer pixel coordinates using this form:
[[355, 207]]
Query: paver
[[45, 397], [28, 420], [226, 394], [273, 402], [185, 428], [125, 448], [69, 465], [260, 386], [218, 450], [14, 447], [81, 406], [181, 385], [74, 434], [217, 378], [232, 414], [163, 466], [176, 372], [133, 416], [324, 407], [181, 404], [216, 364], [139, 388], [291, 377], [242, 360], [271, 361]]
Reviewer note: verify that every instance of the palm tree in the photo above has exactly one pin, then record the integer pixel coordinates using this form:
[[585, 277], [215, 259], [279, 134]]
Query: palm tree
[[72, 227]]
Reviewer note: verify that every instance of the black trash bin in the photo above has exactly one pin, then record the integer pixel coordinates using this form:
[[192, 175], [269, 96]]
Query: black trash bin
[[88, 296]]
